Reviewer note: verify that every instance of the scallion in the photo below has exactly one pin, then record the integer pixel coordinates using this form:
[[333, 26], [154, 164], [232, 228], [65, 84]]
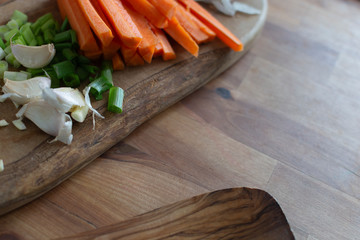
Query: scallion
[[2, 54], [3, 29], [8, 35], [116, 98], [65, 25], [3, 67], [99, 86], [20, 17], [63, 37], [69, 54], [15, 76], [64, 68], [71, 80], [13, 24], [10, 58]]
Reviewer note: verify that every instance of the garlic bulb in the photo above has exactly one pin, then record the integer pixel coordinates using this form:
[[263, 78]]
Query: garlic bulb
[[48, 119], [33, 56], [230, 8], [21, 92]]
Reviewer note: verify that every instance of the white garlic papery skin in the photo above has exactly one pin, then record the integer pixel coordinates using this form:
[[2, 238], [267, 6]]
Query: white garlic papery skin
[[33, 56], [22, 92], [48, 119]]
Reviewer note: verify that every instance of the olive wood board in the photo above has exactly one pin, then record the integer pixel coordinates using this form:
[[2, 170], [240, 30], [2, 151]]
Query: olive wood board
[[33, 166], [236, 213]]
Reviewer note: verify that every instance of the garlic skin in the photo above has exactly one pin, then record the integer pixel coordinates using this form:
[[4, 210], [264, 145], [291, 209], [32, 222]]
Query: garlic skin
[[33, 56], [22, 92], [48, 119]]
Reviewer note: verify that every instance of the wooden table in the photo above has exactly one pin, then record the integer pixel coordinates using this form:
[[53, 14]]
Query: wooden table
[[284, 119]]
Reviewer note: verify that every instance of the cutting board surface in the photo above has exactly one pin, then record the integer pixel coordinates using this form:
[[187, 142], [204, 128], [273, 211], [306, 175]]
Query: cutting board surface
[[237, 213], [34, 166]]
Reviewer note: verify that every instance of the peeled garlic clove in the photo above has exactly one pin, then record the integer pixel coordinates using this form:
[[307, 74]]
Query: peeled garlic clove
[[21, 92], [33, 56], [64, 134], [18, 123], [79, 113]]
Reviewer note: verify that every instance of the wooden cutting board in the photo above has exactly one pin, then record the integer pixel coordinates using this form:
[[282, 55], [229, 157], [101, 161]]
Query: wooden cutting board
[[237, 213], [33, 165]]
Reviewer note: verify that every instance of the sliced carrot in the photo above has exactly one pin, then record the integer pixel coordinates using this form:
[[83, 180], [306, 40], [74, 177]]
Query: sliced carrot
[[146, 47], [202, 26], [158, 49], [190, 26], [221, 31], [117, 62], [166, 7], [78, 22], [127, 53], [168, 52], [61, 10], [178, 33], [93, 55], [149, 11], [110, 50], [101, 30], [98, 9], [136, 60], [121, 22]]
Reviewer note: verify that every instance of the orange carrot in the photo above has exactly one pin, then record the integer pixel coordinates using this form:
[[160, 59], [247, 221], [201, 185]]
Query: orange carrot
[[190, 26], [121, 22], [136, 60], [93, 55], [178, 33], [101, 30], [202, 26], [146, 47], [110, 50], [149, 11], [78, 22], [168, 52], [98, 9], [117, 62], [127, 53], [158, 49], [166, 7], [221, 31], [61, 10]]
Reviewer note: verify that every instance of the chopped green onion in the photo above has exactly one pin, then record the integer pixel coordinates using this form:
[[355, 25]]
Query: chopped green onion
[[60, 46], [55, 82], [3, 29], [15, 76], [106, 71], [2, 54], [64, 68], [99, 86], [49, 24], [35, 72], [13, 24], [10, 58], [7, 50], [63, 37], [28, 35], [48, 35], [3, 67], [90, 68], [83, 60], [65, 25], [71, 80], [8, 35], [69, 54], [36, 26], [33, 42], [27, 74], [116, 98], [74, 40], [2, 44], [39, 40], [18, 39], [20, 17], [82, 73]]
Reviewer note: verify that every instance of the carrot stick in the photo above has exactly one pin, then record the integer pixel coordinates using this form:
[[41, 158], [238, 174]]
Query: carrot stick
[[98, 9], [178, 33], [168, 52], [166, 7], [221, 31], [136, 60], [117, 62], [146, 47], [78, 22], [101, 30], [190, 26], [93, 55], [127, 53], [61, 10], [121, 22], [158, 49], [202, 26], [149, 11], [110, 50]]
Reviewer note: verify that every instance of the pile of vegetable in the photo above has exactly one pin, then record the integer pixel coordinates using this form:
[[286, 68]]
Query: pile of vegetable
[[53, 60]]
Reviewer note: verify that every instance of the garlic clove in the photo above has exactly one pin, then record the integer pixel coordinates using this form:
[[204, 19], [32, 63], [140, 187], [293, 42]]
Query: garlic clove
[[64, 134], [79, 113], [51, 98], [3, 123], [33, 56], [18, 123], [21, 92]]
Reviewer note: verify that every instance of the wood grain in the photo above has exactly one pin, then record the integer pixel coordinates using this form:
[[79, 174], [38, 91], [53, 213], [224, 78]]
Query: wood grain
[[34, 166], [241, 213], [283, 119]]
